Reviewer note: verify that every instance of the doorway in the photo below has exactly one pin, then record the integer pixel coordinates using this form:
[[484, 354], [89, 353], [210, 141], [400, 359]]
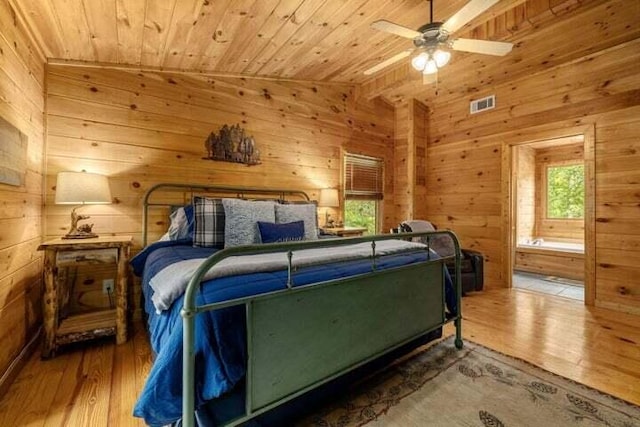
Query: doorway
[[548, 213]]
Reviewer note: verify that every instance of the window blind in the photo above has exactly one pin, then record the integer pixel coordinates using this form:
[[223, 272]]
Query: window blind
[[363, 177]]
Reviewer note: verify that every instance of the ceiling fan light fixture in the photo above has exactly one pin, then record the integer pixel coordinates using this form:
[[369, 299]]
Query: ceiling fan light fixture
[[420, 61], [441, 57], [431, 67]]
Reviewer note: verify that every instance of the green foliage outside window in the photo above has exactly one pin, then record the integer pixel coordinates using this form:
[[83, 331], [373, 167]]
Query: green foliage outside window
[[565, 192], [361, 213]]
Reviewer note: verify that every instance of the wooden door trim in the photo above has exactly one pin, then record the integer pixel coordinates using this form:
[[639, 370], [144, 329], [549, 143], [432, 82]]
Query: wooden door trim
[[524, 137]]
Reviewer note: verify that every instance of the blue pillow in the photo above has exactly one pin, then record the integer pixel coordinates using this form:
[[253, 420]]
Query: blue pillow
[[288, 232], [188, 211]]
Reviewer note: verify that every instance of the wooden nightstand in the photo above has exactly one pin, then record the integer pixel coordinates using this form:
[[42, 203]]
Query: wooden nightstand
[[343, 231], [62, 253]]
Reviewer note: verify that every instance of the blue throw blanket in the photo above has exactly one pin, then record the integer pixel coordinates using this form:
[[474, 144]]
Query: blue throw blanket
[[220, 335]]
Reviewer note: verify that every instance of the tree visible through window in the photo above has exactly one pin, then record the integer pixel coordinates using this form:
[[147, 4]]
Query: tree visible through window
[[361, 213], [565, 192]]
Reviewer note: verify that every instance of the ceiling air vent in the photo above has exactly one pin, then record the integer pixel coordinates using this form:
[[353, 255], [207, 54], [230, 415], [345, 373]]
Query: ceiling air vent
[[482, 104]]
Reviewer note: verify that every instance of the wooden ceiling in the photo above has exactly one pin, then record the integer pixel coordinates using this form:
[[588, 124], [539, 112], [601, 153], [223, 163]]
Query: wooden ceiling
[[324, 40], [321, 40]]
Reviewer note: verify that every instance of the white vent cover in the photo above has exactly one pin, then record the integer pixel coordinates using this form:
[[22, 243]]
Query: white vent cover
[[482, 104]]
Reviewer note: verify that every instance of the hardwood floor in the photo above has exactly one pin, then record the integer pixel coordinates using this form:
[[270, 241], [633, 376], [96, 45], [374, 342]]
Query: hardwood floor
[[97, 384]]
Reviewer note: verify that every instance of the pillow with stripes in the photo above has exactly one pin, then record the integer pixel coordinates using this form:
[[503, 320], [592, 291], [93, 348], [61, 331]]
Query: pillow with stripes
[[209, 222]]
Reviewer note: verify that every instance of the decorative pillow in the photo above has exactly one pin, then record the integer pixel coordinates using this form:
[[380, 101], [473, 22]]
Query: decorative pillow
[[181, 224], [307, 213], [210, 222], [242, 216], [289, 232]]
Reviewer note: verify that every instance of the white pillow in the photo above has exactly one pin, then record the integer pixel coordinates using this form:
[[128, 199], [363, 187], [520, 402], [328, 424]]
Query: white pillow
[[300, 212], [241, 220], [178, 226]]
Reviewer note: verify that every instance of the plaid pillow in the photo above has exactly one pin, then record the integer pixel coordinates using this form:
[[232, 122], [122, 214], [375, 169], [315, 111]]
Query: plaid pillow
[[209, 219]]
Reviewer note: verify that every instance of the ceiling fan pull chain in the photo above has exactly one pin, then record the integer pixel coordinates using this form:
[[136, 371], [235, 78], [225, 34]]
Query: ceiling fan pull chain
[[431, 11]]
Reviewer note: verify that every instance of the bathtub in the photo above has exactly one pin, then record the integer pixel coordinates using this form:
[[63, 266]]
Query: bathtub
[[557, 246], [551, 258]]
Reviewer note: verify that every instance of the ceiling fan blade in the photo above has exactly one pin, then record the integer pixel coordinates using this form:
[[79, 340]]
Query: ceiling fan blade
[[482, 46], [466, 14], [392, 60], [398, 30], [427, 79]]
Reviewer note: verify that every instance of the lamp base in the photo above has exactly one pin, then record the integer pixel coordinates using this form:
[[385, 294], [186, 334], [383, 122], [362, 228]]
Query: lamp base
[[80, 236]]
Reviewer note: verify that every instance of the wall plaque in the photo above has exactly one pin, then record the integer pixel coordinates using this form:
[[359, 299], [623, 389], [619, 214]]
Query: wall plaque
[[232, 144], [13, 154]]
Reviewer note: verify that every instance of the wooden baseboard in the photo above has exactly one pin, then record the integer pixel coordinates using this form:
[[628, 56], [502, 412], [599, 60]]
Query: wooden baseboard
[[18, 363]]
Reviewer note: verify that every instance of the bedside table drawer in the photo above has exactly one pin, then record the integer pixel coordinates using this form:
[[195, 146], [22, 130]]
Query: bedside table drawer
[[88, 256]]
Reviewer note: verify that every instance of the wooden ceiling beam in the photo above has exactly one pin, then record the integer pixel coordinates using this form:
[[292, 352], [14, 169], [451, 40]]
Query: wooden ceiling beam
[[155, 69]]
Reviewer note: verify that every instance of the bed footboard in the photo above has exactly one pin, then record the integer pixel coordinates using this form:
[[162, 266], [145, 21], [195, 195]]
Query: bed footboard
[[301, 337]]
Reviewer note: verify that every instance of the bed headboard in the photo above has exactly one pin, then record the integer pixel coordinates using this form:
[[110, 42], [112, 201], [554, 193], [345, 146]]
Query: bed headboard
[[167, 195]]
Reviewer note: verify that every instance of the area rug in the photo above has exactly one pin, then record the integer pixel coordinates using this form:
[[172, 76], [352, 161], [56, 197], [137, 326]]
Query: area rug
[[475, 386]]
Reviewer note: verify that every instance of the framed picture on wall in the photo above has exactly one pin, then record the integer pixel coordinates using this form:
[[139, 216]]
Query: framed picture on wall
[[13, 154]]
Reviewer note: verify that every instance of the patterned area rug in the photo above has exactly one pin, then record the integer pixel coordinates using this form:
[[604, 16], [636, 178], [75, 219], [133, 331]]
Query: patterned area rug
[[475, 386]]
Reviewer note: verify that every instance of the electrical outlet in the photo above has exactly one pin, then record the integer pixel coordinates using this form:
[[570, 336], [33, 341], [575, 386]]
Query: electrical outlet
[[107, 285]]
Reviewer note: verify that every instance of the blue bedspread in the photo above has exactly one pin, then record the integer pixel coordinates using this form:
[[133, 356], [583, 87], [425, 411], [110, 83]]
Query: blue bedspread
[[220, 334]]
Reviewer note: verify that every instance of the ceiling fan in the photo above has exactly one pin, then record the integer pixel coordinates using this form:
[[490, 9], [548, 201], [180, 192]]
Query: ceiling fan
[[433, 40]]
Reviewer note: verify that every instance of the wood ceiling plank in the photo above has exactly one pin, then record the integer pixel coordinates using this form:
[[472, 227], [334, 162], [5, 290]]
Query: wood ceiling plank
[[365, 42], [130, 24], [280, 15], [184, 23], [538, 10], [101, 20], [333, 48], [157, 25], [210, 16], [295, 21], [223, 35], [38, 16], [246, 27], [75, 29], [332, 15]]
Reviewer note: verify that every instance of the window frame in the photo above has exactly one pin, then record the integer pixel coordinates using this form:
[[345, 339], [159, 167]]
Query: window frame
[[376, 196]]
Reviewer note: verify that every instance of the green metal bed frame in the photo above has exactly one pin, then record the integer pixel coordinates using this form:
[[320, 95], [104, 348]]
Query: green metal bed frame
[[340, 324]]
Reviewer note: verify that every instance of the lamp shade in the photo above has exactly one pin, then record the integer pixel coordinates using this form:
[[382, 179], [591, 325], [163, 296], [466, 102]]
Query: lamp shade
[[79, 188], [329, 198]]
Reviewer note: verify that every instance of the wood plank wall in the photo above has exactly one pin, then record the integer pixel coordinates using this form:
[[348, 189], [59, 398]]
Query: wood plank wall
[[142, 128], [525, 193], [601, 89], [410, 148], [22, 105]]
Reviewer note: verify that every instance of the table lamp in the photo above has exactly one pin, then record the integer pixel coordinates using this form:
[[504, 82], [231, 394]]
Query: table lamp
[[328, 199], [81, 188]]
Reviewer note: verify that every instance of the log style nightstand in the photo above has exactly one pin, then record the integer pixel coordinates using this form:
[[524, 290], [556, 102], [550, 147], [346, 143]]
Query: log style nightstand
[[343, 231], [60, 254]]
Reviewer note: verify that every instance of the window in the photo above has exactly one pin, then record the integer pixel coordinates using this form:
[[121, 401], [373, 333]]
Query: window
[[363, 178], [565, 192]]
